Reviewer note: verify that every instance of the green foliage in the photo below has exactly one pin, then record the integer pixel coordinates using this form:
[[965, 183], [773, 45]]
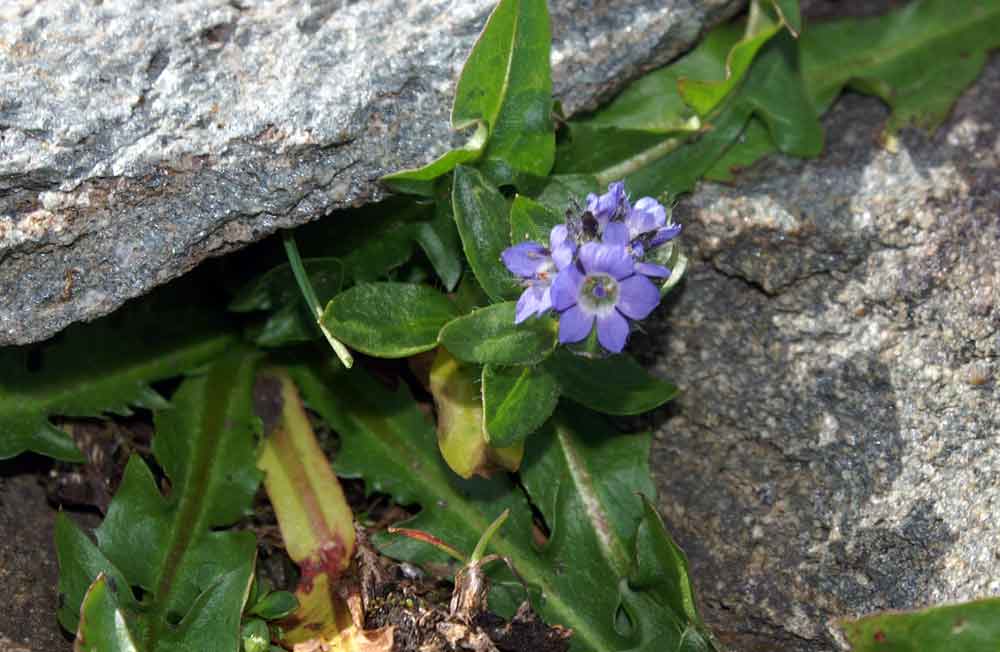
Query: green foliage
[[583, 476], [390, 320], [516, 401], [970, 627], [195, 576], [276, 291], [483, 224], [507, 84], [532, 220], [440, 242], [490, 336], [613, 385], [505, 91], [103, 367]]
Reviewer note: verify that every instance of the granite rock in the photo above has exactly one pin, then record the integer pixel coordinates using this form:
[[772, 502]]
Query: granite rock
[[137, 140], [836, 446]]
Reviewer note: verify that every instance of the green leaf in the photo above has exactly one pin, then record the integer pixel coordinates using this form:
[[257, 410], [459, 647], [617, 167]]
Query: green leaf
[[388, 320], [276, 287], [103, 626], [106, 366], [532, 220], [277, 291], [439, 240], [917, 58], [613, 385], [706, 94], [516, 401], [582, 475], [969, 627], [275, 605], [507, 84], [482, 217], [422, 180], [490, 336], [195, 575], [460, 425]]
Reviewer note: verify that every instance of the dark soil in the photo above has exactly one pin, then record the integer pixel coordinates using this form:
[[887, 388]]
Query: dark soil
[[28, 568]]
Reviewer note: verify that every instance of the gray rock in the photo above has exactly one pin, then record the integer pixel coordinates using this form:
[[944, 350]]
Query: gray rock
[[835, 450], [137, 141]]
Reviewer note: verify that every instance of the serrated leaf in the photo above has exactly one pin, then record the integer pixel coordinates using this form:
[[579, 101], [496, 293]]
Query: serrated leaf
[[581, 474], [439, 240], [103, 367], [516, 401], [917, 58], [613, 385], [196, 576], [481, 214], [388, 320], [969, 627], [507, 84], [490, 336], [532, 220], [460, 427]]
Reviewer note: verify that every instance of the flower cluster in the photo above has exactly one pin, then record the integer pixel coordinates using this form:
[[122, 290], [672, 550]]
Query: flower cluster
[[595, 268]]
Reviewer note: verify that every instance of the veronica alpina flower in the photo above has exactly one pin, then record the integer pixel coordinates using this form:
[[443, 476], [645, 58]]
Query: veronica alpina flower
[[603, 288], [538, 266], [609, 205]]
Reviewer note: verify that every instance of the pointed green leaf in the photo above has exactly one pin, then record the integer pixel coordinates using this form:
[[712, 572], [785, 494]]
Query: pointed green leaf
[[481, 214], [516, 401], [103, 624], [422, 180], [275, 605], [706, 94], [80, 562], [388, 320], [969, 627], [490, 336], [613, 385], [439, 240], [172, 546], [582, 475], [507, 84], [106, 366]]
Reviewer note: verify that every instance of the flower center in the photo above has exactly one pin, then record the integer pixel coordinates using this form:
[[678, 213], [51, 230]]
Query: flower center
[[598, 293]]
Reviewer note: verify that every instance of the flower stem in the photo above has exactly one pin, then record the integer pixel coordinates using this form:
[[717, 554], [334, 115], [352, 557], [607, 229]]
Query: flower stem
[[309, 294]]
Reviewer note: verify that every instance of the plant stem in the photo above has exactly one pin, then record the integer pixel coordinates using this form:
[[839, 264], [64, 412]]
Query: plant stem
[[309, 294]]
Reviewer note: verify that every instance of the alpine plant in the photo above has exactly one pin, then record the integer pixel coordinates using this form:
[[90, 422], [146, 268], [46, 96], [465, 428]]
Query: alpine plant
[[594, 270]]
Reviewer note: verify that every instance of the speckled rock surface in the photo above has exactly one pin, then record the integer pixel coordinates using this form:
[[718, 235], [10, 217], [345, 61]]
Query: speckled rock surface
[[138, 139], [836, 447]]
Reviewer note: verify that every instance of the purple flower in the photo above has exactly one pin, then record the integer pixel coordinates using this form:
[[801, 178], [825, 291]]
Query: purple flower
[[603, 288], [647, 215], [618, 234], [669, 232], [538, 266], [607, 206]]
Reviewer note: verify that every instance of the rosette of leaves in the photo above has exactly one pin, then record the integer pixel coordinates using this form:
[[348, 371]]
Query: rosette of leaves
[[164, 573], [500, 381]]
